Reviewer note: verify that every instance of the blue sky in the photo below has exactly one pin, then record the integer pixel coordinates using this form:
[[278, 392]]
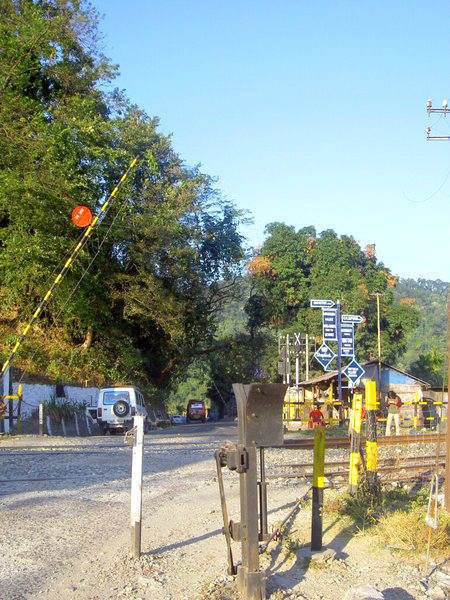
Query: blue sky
[[308, 113]]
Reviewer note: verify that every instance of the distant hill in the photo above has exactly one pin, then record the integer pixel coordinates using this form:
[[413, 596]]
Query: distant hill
[[430, 298]]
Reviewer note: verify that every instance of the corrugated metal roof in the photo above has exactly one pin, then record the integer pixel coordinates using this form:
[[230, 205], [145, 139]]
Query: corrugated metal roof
[[332, 374]]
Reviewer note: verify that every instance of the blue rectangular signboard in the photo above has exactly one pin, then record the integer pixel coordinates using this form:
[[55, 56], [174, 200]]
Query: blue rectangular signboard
[[329, 324], [318, 303], [348, 340]]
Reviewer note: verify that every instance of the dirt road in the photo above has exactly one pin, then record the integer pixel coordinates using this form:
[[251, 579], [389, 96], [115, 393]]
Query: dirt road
[[65, 516], [65, 523]]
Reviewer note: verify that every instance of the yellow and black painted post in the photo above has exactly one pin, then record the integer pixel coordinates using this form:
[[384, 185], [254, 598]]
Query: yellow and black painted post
[[317, 490], [355, 456], [416, 410], [19, 409], [371, 434]]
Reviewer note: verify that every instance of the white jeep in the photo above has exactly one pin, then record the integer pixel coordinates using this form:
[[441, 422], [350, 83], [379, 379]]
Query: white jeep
[[116, 408]]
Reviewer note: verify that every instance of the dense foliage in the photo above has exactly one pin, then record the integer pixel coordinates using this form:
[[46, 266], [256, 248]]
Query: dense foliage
[[294, 266], [168, 251], [426, 353]]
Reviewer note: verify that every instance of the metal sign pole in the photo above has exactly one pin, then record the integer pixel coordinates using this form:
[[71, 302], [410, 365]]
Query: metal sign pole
[[339, 365], [307, 357]]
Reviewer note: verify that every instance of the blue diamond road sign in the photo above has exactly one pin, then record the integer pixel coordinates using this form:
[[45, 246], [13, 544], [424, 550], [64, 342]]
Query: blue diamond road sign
[[324, 355], [353, 371]]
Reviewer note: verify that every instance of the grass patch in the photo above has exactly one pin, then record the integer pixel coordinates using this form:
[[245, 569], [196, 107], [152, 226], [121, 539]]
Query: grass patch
[[407, 532]]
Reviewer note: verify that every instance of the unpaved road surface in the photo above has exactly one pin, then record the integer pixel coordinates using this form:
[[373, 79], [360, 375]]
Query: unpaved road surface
[[65, 516], [64, 505]]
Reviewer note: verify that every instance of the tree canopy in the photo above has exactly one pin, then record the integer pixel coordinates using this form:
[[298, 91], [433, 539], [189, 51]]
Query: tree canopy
[[294, 266], [168, 252]]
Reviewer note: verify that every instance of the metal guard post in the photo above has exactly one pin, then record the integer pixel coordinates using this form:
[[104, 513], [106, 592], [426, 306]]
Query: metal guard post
[[260, 424]]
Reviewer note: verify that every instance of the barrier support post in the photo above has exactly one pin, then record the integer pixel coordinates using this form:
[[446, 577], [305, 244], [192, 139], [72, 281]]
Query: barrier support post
[[317, 490], [355, 456], [371, 434], [136, 486], [416, 410], [19, 409], [41, 419]]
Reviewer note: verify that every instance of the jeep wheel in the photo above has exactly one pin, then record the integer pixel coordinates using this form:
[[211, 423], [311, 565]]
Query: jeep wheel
[[121, 408]]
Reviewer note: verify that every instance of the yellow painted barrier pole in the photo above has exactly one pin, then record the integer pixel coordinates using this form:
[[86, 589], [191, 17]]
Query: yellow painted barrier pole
[[355, 456], [317, 489], [371, 434]]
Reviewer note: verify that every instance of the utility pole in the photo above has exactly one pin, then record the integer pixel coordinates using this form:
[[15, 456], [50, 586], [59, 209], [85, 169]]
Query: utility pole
[[307, 357], [288, 361], [377, 295], [445, 111], [447, 453]]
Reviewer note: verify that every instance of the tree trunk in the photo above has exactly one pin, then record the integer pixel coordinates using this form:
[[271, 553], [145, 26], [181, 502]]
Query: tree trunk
[[89, 337]]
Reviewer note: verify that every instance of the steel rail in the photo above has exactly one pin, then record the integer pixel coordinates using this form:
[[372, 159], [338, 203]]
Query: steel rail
[[343, 463], [387, 469], [344, 442]]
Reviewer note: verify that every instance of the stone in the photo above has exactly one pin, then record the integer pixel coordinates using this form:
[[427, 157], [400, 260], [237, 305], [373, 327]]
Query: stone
[[442, 579], [437, 593], [364, 592], [323, 555]]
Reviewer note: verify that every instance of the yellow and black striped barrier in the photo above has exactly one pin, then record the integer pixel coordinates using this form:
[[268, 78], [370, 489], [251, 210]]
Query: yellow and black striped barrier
[[86, 235], [317, 489]]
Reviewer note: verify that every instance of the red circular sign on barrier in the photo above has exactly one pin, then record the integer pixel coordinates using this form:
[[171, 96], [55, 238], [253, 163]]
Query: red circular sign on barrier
[[82, 216]]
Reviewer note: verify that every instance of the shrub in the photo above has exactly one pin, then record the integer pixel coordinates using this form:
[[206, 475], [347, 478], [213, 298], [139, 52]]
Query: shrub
[[58, 409]]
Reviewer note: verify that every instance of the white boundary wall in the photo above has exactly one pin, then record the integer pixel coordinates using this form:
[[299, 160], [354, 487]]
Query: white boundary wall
[[35, 393]]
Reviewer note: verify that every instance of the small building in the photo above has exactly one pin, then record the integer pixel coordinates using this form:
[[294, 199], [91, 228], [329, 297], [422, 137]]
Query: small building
[[409, 387]]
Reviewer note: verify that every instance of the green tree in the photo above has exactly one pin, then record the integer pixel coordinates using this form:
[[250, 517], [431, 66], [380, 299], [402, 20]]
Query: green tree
[[167, 254], [300, 265]]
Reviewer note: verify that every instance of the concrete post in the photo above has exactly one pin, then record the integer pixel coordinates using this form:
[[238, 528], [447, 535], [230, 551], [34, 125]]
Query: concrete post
[[136, 486]]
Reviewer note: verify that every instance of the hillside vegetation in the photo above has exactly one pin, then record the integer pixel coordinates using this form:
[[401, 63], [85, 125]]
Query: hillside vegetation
[[426, 352], [143, 296]]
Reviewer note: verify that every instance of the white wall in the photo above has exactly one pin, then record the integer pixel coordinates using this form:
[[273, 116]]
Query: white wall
[[35, 393]]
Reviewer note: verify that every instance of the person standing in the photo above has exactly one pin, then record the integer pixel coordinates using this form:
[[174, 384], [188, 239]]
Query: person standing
[[316, 418], [393, 403]]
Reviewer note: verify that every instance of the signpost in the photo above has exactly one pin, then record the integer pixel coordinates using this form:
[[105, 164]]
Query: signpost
[[324, 355], [329, 324], [321, 303], [348, 340], [339, 362], [354, 371], [341, 329], [352, 319]]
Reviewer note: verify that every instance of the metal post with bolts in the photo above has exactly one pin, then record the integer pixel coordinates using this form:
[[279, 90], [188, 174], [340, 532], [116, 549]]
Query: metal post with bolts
[[259, 424], [41, 419]]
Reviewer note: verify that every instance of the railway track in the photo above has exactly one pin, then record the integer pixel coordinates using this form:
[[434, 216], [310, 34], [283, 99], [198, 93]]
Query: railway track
[[417, 466], [344, 442]]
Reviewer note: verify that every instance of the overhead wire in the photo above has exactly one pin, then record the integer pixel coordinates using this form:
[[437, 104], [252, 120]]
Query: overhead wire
[[436, 191]]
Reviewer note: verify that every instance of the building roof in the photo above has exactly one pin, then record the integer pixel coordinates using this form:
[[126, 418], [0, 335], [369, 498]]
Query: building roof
[[332, 374]]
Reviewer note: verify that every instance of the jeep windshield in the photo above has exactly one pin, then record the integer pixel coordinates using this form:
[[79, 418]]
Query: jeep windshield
[[112, 397]]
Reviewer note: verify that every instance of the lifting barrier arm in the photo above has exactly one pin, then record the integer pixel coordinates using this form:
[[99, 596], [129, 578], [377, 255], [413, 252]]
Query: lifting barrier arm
[[86, 235]]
